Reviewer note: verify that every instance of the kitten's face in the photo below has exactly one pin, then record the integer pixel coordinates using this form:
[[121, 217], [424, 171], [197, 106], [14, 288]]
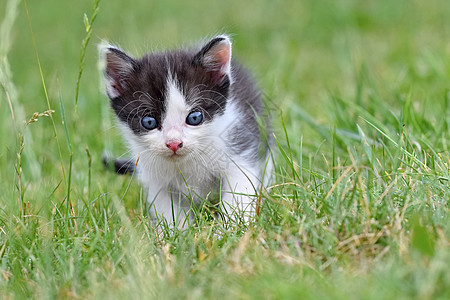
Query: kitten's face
[[169, 100]]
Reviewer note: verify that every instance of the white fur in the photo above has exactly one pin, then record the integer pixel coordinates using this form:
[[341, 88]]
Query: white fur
[[176, 112]]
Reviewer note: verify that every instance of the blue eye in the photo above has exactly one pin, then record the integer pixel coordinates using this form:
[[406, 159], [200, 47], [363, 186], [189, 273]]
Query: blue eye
[[194, 118], [149, 123]]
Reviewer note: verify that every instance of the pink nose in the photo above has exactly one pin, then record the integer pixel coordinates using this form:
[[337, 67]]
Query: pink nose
[[174, 146]]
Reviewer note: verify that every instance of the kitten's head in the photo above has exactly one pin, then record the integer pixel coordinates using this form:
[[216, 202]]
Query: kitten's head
[[167, 100]]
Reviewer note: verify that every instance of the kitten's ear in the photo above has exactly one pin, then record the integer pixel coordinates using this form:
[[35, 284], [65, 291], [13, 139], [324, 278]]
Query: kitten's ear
[[215, 57], [117, 68]]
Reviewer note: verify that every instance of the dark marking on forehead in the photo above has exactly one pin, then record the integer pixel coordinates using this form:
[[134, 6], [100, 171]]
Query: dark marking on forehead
[[199, 87], [147, 88]]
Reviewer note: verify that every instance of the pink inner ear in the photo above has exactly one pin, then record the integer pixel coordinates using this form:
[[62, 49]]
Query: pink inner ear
[[222, 56], [217, 60], [116, 70], [113, 66], [112, 71]]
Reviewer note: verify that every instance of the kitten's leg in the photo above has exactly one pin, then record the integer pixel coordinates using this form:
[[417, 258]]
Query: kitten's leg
[[171, 207], [239, 195]]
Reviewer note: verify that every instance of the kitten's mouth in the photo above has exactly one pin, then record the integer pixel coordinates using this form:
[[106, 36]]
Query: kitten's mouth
[[175, 155]]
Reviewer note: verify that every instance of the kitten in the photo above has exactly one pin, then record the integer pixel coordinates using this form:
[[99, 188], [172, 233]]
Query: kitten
[[190, 119]]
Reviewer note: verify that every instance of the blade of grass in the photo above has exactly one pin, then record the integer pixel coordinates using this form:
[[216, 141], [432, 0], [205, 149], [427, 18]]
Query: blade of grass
[[406, 152], [69, 147], [88, 27]]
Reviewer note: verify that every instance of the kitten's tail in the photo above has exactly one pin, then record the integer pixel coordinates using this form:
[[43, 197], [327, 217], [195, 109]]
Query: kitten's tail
[[120, 166]]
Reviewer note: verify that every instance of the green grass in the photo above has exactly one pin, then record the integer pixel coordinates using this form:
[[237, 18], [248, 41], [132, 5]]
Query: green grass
[[359, 93]]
